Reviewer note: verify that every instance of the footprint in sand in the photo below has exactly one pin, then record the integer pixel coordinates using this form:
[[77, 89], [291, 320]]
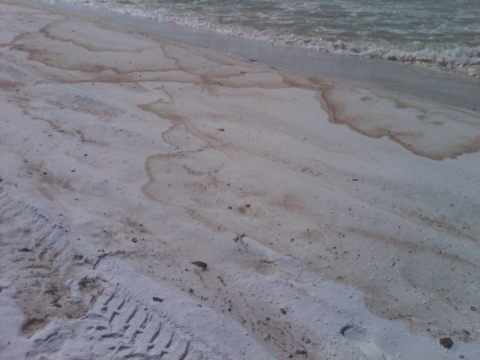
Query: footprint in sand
[[369, 100], [363, 339]]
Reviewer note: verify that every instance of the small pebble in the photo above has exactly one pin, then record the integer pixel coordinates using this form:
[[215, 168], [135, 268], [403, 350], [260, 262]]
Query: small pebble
[[446, 342]]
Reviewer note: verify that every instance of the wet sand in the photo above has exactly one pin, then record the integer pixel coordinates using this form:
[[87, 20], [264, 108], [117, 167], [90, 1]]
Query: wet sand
[[159, 200]]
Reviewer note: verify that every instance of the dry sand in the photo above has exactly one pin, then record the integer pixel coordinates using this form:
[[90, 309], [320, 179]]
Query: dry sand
[[163, 201]]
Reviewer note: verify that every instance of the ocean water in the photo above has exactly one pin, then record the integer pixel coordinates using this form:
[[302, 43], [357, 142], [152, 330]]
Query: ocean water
[[438, 33]]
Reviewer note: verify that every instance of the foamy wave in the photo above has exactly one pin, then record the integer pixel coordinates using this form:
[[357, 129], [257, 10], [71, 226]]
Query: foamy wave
[[459, 59]]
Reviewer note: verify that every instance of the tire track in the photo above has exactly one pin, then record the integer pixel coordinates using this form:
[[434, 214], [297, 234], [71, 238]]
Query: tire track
[[65, 303]]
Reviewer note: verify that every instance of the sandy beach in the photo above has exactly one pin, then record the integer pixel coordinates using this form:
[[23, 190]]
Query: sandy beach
[[165, 201]]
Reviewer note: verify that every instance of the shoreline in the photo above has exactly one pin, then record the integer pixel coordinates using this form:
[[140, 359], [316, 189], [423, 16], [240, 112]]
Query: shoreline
[[164, 200], [304, 42], [382, 75]]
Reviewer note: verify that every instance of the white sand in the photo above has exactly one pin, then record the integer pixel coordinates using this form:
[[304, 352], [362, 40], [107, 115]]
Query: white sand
[[336, 223]]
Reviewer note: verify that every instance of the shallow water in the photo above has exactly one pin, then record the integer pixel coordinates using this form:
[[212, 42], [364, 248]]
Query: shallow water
[[440, 33]]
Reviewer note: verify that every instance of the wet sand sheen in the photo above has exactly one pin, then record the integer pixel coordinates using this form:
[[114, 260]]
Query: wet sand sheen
[[383, 76], [335, 221]]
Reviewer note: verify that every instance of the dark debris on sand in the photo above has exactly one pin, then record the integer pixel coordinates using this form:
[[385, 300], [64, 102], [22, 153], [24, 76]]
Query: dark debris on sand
[[201, 264]]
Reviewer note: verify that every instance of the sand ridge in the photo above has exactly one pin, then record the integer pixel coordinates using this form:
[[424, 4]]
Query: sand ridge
[[127, 159]]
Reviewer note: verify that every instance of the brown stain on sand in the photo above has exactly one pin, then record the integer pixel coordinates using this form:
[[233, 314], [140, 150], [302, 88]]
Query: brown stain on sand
[[223, 72], [415, 139]]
